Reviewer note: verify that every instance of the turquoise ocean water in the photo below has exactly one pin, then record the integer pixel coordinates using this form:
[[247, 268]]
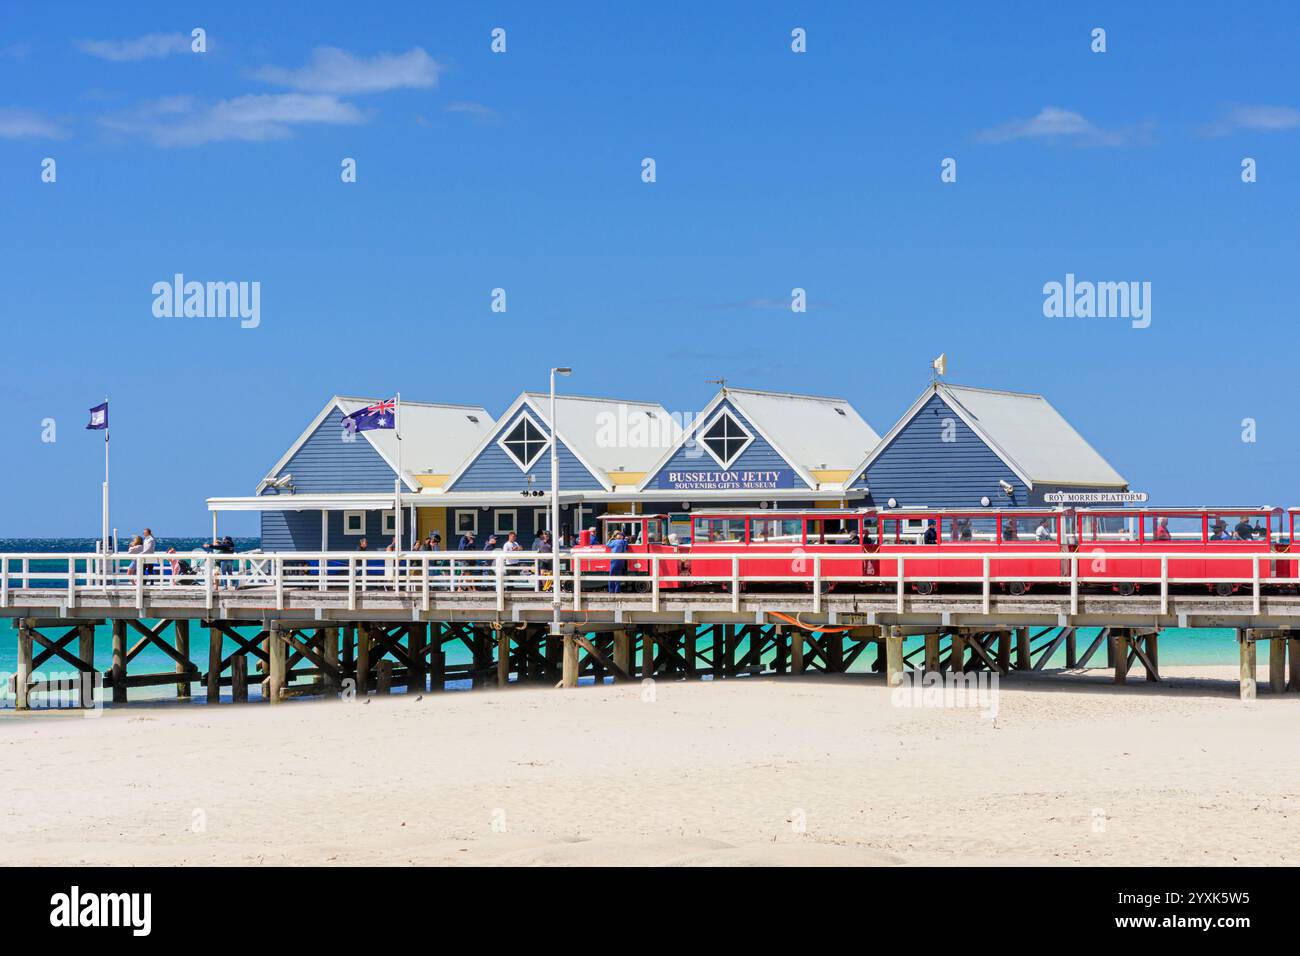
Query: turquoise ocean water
[[1177, 646]]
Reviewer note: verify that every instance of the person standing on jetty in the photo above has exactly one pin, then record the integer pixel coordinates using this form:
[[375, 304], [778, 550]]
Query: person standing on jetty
[[617, 545]]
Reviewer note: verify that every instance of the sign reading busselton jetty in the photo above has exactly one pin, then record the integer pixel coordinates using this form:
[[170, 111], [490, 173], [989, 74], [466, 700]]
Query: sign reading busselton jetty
[[748, 480]]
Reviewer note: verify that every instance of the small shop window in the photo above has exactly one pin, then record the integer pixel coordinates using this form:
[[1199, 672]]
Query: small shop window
[[354, 523], [466, 522], [389, 523], [505, 521]]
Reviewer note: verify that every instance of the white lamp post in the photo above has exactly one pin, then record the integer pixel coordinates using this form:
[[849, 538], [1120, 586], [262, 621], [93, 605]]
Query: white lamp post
[[555, 508]]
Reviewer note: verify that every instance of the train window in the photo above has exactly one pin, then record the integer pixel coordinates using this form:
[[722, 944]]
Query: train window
[[1107, 528], [1029, 527], [906, 530], [1177, 528], [775, 531], [657, 531], [631, 530], [1227, 526], [834, 531], [718, 529], [974, 528]]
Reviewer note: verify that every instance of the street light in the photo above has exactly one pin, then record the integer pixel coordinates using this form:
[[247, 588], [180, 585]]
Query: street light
[[555, 508]]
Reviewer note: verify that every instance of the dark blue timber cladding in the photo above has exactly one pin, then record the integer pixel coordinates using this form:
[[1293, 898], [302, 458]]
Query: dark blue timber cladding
[[300, 531], [326, 463], [758, 456], [494, 470], [920, 469]]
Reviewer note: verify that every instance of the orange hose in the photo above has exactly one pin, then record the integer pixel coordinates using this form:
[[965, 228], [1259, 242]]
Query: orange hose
[[798, 623]]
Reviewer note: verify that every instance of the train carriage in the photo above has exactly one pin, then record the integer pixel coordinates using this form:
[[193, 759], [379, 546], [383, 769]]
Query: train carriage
[[645, 534], [1127, 544], [921, 536], [781, 545]]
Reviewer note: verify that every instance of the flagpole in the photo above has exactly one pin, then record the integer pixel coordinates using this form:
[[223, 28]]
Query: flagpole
[[397, 485]]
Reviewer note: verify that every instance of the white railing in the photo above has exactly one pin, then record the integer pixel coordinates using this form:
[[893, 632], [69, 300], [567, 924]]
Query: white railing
[[422, 574]]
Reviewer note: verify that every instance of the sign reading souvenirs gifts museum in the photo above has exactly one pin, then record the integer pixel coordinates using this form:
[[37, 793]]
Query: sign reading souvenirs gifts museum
[[737, 480]]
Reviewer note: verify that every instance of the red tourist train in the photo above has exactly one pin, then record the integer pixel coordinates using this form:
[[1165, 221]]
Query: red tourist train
[[1119, 549]]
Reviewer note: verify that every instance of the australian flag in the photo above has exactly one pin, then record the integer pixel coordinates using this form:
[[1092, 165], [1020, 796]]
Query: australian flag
[[99, 417], [379, 415]]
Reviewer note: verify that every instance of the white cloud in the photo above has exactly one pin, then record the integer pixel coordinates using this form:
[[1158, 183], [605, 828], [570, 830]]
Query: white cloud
[[185, 121], [331, 70], [1259, 119], [474, 109], [1053, 124], [148, 47], [18, 123]]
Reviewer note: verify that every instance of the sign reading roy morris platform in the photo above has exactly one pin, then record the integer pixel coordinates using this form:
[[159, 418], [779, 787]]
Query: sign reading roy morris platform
[[744, 480]]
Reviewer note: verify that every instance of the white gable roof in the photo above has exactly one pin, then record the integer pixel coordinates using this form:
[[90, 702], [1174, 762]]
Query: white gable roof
[[610, 434], [811, 430], [435, 437], [1024, 430]]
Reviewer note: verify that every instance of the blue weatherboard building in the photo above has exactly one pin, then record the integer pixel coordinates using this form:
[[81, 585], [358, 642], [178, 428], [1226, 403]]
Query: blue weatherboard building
[[464, 472]]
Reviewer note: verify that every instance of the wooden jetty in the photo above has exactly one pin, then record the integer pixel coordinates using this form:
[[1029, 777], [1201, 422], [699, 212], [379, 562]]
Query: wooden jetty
[[374, 623]]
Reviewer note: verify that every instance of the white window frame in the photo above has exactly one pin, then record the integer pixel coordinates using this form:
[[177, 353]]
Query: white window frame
[[388, 523], [541, 517], [347, 531], [455, 518], [699, 438], [501, 442], [496, 521]]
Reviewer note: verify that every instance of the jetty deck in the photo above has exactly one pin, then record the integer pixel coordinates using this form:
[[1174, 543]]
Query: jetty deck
[[374, 622]]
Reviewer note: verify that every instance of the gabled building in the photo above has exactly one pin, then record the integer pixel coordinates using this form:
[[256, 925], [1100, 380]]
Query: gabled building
[[330, 489], [775, 448], [604, 447], [963, 447]]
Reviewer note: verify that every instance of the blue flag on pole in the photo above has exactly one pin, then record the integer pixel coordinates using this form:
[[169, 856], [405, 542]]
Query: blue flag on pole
[[379, 415], [99, 417]]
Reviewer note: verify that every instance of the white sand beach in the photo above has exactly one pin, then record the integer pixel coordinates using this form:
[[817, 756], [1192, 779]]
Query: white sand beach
[[811, 770]]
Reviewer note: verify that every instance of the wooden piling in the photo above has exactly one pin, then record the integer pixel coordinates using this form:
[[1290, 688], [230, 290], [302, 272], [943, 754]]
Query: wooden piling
[[86, 653], [796, 651], [932, 659], [503, 657], [1276, 664], [1120, 654], [437, 661], [1072, 648], [1024, 655], [894, 656], [570, 676], [1246, 640], [23, 679], [362, 675], [415, 638], [647, 652], [276, 672], [182, 633], [1004, 651], [623, 651], [329, 649], [384, 676], [1293, 650], [1153, 655], [239, 679], [957, 654], [119, 661], [216, 644]]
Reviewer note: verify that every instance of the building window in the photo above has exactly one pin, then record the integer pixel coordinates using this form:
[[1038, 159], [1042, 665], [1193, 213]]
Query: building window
[[541, 520], [725, 439], [525, 442], [467, 522], [354, 523], [505, 521], [389, 524]]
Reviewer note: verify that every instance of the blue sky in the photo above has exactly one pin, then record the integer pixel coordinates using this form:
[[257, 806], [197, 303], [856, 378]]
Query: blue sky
[[522, 170]]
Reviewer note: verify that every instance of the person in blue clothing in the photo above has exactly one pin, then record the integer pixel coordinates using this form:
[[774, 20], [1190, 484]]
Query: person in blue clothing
[[617, 545]]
